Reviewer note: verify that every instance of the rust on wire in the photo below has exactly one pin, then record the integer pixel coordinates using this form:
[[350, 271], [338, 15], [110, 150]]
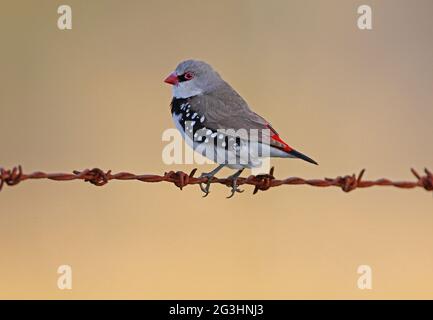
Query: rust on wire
[[181, 179]]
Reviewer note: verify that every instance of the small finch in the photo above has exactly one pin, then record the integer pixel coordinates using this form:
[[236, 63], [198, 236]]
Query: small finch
[[218, 123]]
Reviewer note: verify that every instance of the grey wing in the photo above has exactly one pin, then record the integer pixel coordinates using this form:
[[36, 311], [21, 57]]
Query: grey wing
[[228, 110]]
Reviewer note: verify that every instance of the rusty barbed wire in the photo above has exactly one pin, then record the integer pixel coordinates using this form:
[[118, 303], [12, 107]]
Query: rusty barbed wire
[[181, 179]]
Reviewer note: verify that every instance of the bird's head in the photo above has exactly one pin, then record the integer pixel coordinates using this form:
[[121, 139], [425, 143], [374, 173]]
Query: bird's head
[[193, 77]]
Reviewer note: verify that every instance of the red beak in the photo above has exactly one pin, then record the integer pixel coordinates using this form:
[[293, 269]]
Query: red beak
[[172, 79]]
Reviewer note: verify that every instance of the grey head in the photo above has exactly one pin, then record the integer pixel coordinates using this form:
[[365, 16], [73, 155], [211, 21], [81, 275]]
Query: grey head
[[194, 77]]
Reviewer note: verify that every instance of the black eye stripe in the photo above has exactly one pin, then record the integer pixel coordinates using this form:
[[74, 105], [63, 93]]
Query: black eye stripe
[[182, 78]]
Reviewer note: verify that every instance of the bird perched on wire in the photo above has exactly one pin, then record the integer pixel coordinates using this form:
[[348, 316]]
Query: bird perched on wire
[[217, 122]]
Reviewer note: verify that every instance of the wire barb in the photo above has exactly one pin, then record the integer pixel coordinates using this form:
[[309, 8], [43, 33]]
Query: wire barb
[[424, 181], [347, 183], [261, 182]]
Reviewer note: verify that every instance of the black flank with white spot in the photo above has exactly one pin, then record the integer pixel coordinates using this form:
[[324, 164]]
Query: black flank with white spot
[[200, 132]]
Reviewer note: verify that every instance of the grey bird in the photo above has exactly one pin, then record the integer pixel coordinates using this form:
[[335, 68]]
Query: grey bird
[[218, 123]]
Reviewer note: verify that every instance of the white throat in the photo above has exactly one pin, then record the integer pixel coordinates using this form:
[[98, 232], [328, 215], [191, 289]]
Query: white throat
[[185, 90]]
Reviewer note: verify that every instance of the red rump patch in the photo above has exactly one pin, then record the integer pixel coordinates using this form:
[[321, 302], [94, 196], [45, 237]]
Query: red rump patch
[[277, 138]]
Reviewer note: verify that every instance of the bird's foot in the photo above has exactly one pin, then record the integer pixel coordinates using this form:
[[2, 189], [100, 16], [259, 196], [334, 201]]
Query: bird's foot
[[206, 186], [235, 187], [209, 175]]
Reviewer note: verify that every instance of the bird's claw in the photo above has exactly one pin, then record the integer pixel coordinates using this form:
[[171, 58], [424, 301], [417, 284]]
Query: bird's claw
[[206, 186], [235, 187]]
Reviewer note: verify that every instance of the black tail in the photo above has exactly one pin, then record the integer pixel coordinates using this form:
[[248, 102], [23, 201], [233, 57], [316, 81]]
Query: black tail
[[299, 155]]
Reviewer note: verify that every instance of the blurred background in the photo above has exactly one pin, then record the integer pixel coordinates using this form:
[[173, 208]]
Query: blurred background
[[94, 96]]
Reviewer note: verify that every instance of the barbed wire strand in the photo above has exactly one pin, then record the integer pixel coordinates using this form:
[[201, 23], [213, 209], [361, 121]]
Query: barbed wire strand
[[181, 179]]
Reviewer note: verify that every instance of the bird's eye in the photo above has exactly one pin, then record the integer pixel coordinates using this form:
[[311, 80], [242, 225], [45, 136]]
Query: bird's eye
[[188, 75]]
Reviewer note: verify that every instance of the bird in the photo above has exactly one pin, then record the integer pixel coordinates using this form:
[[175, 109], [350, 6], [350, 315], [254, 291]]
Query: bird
[[216, 122]]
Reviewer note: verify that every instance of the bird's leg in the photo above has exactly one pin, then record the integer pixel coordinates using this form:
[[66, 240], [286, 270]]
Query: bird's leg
[[234, 179], [209, 177]]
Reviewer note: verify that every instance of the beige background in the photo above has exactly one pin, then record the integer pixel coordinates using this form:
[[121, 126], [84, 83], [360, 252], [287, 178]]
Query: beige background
[[94, 96]]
